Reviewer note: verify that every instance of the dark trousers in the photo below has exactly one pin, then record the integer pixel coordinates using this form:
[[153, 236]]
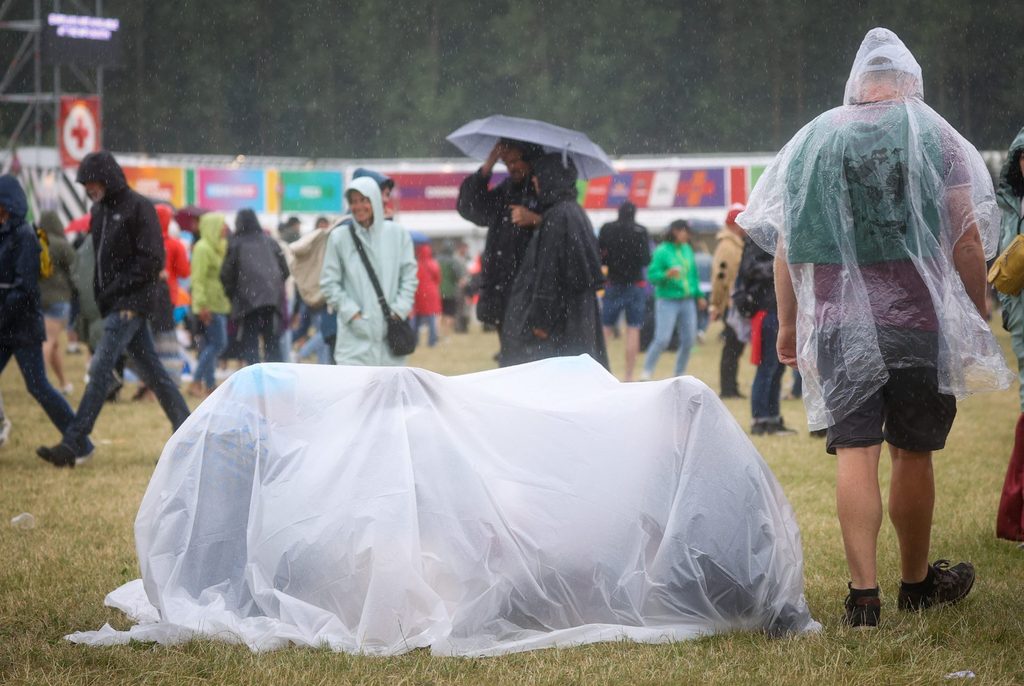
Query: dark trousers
[[33, 371], [732, 348], [123, 334], [767, 388], [261, 323]]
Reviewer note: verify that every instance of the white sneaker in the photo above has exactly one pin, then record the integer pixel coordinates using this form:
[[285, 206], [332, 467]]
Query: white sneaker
[[645, 375], [68, 388], [5, 431], [84, 459]]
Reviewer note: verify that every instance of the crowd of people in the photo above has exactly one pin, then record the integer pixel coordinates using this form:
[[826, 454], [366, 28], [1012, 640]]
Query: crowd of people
[[872, 289]]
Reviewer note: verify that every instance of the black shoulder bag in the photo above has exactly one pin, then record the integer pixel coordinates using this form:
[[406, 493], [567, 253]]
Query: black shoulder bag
[[400, 337]]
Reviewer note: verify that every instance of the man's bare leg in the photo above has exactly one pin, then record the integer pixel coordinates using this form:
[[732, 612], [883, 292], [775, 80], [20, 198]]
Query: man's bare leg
[[911, 504], [859, 506]]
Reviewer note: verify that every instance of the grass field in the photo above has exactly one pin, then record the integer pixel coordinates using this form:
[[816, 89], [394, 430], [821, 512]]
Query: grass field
[[53, 578]]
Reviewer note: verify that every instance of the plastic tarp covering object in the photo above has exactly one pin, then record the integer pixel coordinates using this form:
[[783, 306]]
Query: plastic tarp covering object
[[379, 510], [868, 200]]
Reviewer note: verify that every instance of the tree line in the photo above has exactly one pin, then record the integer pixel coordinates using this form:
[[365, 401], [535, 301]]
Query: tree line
[[321, 78]]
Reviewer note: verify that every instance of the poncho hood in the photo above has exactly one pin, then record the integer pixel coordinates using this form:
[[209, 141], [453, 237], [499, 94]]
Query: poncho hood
[[883, 56], [247, 223]]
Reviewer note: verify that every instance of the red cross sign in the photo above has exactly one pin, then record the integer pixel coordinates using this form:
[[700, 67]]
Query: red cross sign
[[79, 128]]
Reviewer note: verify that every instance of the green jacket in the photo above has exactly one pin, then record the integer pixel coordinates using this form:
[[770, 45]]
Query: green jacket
[[207, 257], [57, 288], [687, 284]]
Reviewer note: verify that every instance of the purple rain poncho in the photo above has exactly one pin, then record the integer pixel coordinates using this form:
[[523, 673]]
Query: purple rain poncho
[[867, 202]]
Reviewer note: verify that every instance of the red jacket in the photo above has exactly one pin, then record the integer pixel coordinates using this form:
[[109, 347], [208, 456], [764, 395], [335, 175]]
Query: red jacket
[[428, 293], [176, 265]]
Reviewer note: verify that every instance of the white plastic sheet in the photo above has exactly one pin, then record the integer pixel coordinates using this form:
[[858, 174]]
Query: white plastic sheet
[[868, 200], [379, 510]]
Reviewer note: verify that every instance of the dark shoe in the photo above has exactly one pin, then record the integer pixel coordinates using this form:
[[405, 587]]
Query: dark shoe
[[944, 585], [760, 428], [59, 455], [819, 433], [863, 607]]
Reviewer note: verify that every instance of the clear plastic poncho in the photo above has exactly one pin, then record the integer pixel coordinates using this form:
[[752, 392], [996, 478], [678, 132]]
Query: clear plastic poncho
[[379, 510], [867, 202]]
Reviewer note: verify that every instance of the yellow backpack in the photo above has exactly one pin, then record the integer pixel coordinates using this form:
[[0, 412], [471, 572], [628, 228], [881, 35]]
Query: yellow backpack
[[45, 264]]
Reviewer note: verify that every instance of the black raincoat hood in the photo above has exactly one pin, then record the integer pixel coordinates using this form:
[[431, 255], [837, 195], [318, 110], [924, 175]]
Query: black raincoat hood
[[102, 167], [557, 181], [246, 223]]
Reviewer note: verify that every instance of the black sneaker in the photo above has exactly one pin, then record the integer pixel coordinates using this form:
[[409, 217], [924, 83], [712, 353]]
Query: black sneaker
[[863, 607], [819, 433], [59, 455], [944, 585]]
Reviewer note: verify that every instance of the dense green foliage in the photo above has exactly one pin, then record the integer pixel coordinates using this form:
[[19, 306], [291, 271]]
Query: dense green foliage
[[328, 79]]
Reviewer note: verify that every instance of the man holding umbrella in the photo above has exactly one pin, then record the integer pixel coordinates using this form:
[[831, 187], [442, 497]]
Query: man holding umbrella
[[509, 211]]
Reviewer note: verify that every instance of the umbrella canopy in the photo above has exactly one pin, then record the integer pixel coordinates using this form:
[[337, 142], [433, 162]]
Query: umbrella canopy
[[479, 136], [188, 217], [78, 225], [419, 237]]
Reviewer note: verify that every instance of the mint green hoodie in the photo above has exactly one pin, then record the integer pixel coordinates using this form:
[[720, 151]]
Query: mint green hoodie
[[207, 257], [347, 287]]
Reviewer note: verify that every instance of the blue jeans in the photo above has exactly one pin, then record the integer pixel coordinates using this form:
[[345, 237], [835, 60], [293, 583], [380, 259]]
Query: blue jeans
[[215, 339], [767, 388], [669, 315], [431, 321], [33, 371], [123, 334]]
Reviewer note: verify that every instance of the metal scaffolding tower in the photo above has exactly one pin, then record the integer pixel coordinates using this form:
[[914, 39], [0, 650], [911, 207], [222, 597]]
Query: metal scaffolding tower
[[39, 103]]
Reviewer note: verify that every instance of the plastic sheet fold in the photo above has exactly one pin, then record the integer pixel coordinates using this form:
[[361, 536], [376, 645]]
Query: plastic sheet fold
[[381, 510]]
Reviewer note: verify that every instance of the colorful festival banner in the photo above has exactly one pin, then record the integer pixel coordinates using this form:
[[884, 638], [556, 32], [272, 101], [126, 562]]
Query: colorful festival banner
[[231, 189], [416, 192], [309, 191], [701, 188], [158, 183]]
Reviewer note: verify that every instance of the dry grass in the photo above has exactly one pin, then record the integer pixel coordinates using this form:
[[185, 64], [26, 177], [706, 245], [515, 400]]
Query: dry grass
[[53, 578]]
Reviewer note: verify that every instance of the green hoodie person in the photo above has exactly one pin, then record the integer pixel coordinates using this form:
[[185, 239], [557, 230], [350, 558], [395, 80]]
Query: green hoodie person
[[207, 255]]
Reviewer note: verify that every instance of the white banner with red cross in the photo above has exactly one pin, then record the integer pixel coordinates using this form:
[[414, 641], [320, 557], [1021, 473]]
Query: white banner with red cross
[[79, 128]]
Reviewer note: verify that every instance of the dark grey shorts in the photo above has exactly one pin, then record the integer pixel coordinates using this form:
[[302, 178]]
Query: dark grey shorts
[[908, 412]]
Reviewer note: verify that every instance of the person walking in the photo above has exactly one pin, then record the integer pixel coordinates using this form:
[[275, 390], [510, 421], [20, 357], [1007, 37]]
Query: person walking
[[552, 308], [626, 250], [253, 274], [754, 290], [210, 304], [56, 293], [880, 215], [673, 272], [21, 315], [725, 264], [427, 303], [347, 286], [1010, 196], [129, 258]]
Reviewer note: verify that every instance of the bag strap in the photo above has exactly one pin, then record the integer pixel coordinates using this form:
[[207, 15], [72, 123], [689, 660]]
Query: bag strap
[[369, 270]]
